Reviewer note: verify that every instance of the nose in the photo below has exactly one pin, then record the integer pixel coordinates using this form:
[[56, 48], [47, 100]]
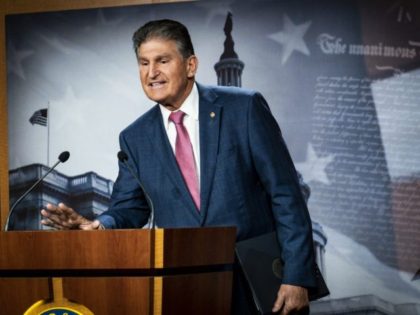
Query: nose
[[153, 71]]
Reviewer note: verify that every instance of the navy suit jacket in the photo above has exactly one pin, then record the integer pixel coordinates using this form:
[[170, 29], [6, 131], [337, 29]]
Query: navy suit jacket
[[247, 177]]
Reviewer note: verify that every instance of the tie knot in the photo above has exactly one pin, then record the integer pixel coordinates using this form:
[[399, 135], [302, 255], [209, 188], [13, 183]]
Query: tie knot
[[177, 117]]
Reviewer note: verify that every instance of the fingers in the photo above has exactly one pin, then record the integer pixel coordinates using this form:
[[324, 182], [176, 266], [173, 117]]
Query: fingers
[[291, 300], [90, 225], [54, 221], [56, 208], [48, 222], [279, 303], [68, 212], [51, 216], [62, 217]]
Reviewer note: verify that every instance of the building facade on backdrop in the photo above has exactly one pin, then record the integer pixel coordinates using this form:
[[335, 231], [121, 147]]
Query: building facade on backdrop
[[89, 193]]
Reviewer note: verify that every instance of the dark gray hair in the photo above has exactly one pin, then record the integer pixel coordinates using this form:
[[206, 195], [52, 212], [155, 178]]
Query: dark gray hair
[[167, 30]]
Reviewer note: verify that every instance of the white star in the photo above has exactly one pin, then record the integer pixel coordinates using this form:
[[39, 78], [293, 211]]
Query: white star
[[403, 13], [15, 58], [102, 23], [313, 169], [70, 110], [59, 44], [119, 87], [215, 8], [291, 38]]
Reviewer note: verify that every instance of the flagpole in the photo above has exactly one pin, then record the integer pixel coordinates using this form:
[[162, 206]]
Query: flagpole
[[48, 133]]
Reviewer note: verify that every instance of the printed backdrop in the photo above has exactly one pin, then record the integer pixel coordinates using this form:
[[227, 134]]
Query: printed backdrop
[[342, 81]]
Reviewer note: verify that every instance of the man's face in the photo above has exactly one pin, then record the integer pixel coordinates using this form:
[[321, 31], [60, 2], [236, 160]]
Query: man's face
[[166, 77]]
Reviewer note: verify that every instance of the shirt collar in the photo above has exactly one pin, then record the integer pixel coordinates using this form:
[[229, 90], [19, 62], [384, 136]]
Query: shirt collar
[[189, 107]]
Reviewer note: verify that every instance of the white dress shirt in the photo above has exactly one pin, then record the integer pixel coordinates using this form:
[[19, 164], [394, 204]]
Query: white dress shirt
[[191, 123]]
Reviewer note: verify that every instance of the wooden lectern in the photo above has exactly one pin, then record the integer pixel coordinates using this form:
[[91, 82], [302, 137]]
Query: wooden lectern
[[162, 271]]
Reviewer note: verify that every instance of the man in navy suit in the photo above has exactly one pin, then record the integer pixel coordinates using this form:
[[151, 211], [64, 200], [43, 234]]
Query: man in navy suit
[[239, 172]]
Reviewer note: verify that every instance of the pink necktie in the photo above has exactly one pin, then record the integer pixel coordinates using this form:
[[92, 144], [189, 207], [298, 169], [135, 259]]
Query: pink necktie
[[185, 156]]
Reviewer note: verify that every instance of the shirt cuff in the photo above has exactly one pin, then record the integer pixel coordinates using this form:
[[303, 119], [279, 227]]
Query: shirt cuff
[[107, 221]]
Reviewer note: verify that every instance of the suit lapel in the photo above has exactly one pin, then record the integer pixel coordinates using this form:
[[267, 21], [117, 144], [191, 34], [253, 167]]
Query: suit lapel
[[209, 117], [163, 152]]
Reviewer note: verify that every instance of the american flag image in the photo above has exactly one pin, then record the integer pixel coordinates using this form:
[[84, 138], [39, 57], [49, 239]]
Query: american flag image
[[40, 117]]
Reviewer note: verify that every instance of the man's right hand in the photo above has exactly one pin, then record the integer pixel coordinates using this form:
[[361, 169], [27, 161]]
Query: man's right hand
[[62, 217]]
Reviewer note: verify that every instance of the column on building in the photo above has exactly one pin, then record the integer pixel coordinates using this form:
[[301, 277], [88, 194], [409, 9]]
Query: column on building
[[229, 67]]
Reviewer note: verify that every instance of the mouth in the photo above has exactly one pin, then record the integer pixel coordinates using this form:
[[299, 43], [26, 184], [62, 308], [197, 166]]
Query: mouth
[[156, 85]]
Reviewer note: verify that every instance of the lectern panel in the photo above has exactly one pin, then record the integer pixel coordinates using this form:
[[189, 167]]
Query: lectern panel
[[17, 294], [129, 295], [204, 294]]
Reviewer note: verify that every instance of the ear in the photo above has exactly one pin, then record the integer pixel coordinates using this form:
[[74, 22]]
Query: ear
[[192, 65]]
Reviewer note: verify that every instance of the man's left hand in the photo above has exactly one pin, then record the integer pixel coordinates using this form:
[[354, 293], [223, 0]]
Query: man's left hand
[[291, 299]]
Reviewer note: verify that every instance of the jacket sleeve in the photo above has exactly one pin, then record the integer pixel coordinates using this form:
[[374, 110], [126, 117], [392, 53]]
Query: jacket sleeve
[[129, 208], [278, 175]]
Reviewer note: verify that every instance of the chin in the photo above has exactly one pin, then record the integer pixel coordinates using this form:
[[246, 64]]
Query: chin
[[156, 98]]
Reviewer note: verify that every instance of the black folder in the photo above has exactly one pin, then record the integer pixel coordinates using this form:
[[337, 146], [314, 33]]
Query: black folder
[[416, 276], [262, 266]]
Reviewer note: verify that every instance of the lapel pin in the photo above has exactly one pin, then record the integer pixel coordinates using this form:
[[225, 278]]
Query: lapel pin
[[212, 115]]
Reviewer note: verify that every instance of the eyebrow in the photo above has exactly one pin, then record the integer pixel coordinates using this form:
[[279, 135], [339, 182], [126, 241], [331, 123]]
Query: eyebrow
[[159, 57]]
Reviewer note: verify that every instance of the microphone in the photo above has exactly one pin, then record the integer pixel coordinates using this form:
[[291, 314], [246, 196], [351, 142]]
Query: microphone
[[63, 157], [123, 157]]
